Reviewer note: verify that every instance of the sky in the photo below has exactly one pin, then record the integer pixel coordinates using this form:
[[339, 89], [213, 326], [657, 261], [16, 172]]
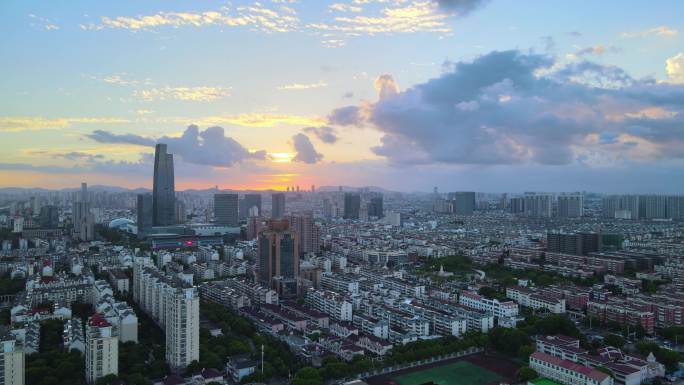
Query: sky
[[486, 95]]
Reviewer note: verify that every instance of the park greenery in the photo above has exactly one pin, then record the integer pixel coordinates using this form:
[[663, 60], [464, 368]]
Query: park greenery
[[239, 336], [10, 286], [505, 276], [52, 365]]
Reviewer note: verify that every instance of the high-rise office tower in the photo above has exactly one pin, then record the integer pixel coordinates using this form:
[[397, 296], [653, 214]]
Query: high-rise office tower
[[11, 360], [163, 189], [248, 202], [102, 348], [375, 207], [277, 205], [307, 232], [278, 255], [570, 205], [49, 217], [144, 213], [84, 220], [463, 202], [226, 209], [352, 205]]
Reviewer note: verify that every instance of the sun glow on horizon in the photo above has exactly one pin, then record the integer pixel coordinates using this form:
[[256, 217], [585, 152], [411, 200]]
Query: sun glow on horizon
[[281, 157]]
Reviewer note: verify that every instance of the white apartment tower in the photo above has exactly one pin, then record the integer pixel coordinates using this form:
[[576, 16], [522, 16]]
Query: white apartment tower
[[12, 364], [182, 327], [174, 305], [102, 349]]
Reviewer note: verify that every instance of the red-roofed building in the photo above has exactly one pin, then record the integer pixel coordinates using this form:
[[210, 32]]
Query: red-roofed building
[[567, 372]]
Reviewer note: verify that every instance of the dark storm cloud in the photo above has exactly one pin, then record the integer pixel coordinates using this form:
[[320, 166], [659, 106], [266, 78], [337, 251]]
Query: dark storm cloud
[[210, 147], [305, 151], [513, 107]]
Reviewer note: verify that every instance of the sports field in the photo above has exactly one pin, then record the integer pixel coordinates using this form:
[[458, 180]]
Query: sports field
[[477, 369], [457, 373]]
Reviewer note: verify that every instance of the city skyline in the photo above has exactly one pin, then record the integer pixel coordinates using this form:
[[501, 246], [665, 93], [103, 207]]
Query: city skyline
[[258, 96]]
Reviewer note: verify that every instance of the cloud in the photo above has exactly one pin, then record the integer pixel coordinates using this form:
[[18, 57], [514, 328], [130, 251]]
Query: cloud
[[255, 16], [597, 50], [386, 86], [346, 116], [257, 120], [662, 31], [195, 94], [416, 16], [341, 7], [34, 123], [302, 86], [325, 134], [674, 68], [304, 149], [461, 7], [78, 155], [165, 92], [333, 43], [117, 79], [43, 23], [514, 108], [103, 136], [209, 147], [549, 43]]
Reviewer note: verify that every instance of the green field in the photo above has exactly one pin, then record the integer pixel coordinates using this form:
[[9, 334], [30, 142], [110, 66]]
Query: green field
[[458, 373]]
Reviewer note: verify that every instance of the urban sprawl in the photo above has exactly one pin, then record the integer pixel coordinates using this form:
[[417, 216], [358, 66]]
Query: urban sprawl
[[339, 285]]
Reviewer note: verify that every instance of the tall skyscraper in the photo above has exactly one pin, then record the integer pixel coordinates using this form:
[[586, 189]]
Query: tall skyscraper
[[84, 220], [375, 207], [144, 213], [180, 214], [277, 205], [102, 348], [279, 256], [327, 208], [226, 209], [253, 227], [11, 360], [352, 205], [463, 202], [49, 217], [248, 202], [570, 205], [307, 232], [163, 190]]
